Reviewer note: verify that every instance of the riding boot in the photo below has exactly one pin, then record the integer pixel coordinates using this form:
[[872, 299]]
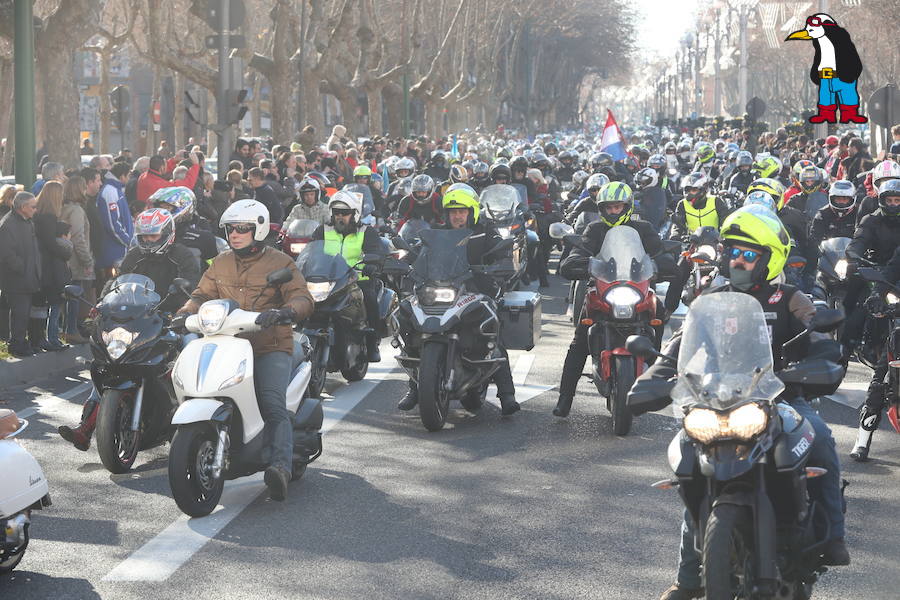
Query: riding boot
[[869, 419], [37, 336], [508, 404], [677, 592], [849, 114], [80, 437], [411, 398], [827, 114], [563, 406], [372, 341]]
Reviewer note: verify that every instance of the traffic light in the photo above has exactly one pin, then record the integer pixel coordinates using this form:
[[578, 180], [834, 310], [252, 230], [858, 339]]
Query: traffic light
[[120, 100], [234, 106], [193, 108]]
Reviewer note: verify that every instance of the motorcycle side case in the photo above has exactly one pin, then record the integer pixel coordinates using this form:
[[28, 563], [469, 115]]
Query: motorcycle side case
[[23, 480], [520, 320]]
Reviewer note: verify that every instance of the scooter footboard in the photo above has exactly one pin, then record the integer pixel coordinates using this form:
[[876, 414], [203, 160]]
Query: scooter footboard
[[196, 410]]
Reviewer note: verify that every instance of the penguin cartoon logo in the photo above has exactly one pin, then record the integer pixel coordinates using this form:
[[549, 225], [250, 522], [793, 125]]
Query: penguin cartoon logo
[[835, 69]]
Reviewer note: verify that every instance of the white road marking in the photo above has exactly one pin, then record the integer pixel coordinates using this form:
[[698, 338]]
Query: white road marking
[[160, 557], [49, 403], [524, 392]]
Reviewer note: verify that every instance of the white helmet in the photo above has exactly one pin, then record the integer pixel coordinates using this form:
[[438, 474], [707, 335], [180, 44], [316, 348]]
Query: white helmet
[[345, 199], [248, 211], [405, 163], [886, 169]]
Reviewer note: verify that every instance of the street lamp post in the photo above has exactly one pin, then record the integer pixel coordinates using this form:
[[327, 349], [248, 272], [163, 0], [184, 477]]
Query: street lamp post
[[24, 92], [717, 98]]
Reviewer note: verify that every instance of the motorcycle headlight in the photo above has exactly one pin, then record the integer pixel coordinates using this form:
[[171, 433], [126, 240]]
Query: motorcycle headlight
[[742, 423], [237, 377], [503, 231], [840, 269], [891, 298], [116, 349], [297, 247], [437, 295], [212, 316], [119, 334], [319, 290], [623, 298], [708, 252]]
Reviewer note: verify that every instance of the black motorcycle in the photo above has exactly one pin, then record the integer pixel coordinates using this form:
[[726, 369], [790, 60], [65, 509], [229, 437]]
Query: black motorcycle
[[337, 329], [133, 352], [831, 285], [447, 331], [740, 458], [502, 208]]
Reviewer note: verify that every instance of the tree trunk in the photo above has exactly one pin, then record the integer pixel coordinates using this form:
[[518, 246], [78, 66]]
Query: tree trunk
[[375, 104], [434, 126], [256, 117], [6, 99], [154, 137], [393, 96], [105, 105], [179, 139], [280, 100], [60, 104]]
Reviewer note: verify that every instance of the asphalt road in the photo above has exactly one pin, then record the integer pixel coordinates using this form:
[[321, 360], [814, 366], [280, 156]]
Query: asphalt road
[[529, 506]]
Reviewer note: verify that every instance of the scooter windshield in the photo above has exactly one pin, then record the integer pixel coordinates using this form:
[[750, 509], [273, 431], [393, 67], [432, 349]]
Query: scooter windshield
[[725, 358], [500, 203], [301, 228], [368, 202], [834, 250], [443, 258], [622, 257], [317, 265]]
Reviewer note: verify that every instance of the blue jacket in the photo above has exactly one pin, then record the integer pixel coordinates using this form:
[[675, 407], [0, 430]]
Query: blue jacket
[[116, 228]]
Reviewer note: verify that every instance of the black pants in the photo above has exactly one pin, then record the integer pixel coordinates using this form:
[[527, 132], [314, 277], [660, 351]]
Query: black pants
[[875, 399], [369, 288], [19, 314], [503, 377]]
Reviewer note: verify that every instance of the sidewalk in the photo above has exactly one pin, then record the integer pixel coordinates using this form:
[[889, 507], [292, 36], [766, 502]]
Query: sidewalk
[[24, 371]]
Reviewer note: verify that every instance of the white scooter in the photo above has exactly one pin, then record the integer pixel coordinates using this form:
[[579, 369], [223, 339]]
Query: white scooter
[[23, 488], [219, 431]]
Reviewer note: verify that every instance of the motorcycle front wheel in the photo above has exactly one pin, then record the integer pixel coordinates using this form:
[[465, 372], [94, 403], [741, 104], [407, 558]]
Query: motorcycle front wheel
[[195, 490], [319, 371], [13, 558], [434, 401], [357, 369], [728, 553], [117, 444], [622, 379]]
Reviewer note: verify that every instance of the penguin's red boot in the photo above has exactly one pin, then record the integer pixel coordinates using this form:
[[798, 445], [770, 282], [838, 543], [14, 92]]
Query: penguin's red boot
[[827, 114], [849, 114]]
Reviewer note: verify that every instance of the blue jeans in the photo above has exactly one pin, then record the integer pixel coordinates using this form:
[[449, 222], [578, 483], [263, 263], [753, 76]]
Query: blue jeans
[[53, 323], [825, 489], [834, 91], [272, 374]]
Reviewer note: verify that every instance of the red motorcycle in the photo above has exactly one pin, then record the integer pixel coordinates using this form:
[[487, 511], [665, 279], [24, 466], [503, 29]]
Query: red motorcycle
[[619, 303], [296, 235]]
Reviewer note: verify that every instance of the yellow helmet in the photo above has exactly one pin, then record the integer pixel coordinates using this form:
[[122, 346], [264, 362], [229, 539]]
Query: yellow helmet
[[615, 191], [758, 227], [773, 187], [767, 166], [462, 198], [362, 171]]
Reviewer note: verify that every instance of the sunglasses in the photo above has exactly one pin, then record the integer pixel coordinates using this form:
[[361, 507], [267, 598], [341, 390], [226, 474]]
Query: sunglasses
[[342, 212], [817, 22], [749, 255], [241, 228]]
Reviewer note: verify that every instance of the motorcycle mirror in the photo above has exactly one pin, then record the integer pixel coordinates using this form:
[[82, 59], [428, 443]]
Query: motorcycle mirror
[[797, 262], [399, 243], [640, 345], [827, 320], [279, 277], [73, 292], [871, 274], [559, 231]]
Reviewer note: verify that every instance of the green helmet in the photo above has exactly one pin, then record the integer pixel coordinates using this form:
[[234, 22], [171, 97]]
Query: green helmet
[[759, 228], [362, 171], [615, 191], [462, 198], [773, 187], [705, 153], [768, 166]]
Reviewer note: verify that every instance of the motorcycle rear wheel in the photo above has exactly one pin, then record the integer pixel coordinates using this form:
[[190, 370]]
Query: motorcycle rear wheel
[[194, 489], [117, 445], [728, 553], [434, 401], [621, 381], [13, 559], [356, 371]]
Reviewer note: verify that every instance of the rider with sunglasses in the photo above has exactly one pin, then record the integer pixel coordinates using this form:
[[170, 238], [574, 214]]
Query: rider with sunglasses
[[756, 250], [240, 275], [345, 235]]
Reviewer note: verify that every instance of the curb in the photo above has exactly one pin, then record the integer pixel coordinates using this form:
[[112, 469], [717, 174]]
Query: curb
[[20, 371]]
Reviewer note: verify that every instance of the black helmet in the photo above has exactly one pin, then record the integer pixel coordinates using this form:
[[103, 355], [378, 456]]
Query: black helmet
[[551, 148], [500, 170], [519, 163], [891, 188]]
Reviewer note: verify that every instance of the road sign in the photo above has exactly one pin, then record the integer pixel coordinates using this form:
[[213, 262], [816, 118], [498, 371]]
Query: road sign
[[884, 106], [756, 108], [234, 41], [236, 14]]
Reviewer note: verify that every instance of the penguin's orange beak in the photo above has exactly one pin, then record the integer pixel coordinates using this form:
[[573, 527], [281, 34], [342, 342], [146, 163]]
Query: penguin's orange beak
[[799, 35]]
